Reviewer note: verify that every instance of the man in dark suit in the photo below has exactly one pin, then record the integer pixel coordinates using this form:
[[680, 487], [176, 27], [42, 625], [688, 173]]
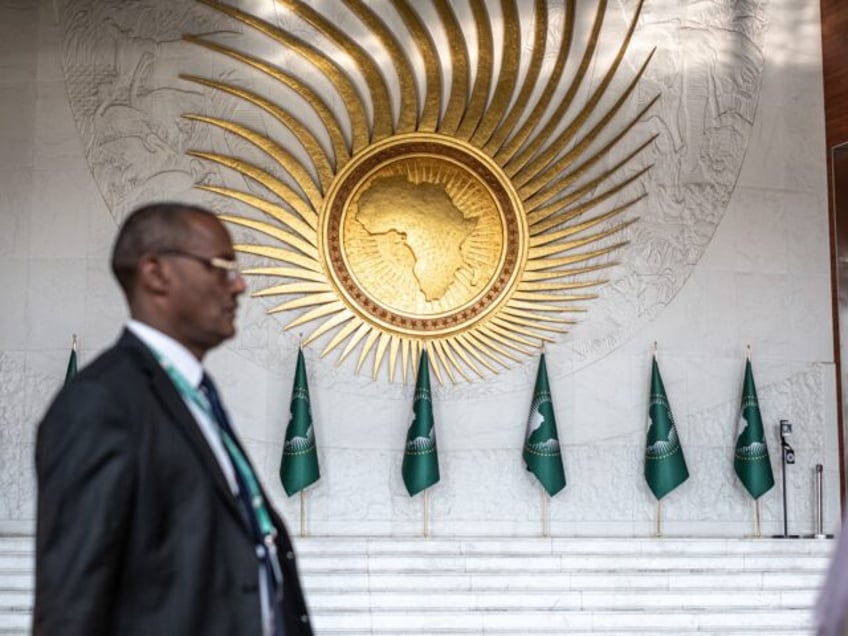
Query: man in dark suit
[[150, 518]]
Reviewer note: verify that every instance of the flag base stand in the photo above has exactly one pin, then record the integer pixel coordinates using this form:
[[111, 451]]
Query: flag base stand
[[786, 536]]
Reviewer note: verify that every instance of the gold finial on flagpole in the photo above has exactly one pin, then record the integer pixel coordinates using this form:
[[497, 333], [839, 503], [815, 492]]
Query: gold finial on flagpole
[[74, 343], [542, 345], [655, 348], [300, 341], [749, 353]]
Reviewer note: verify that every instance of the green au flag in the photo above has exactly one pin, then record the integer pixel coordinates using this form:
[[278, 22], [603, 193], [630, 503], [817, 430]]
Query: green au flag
[[72, 363], [420, 459], [665, 466], [299, 466], [542, 454], [751, 459]]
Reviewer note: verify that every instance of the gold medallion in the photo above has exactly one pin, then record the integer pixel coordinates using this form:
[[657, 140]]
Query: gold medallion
[[469, 223], [423, 235]]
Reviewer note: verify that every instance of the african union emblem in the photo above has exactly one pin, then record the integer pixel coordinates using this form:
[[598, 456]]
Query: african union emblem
[[410, 190]]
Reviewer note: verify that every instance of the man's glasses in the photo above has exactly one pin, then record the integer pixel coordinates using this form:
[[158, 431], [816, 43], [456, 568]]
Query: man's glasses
[[230, 268]]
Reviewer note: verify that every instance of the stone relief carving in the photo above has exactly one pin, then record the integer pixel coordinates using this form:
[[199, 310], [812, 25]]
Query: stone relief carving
[[122, 63]]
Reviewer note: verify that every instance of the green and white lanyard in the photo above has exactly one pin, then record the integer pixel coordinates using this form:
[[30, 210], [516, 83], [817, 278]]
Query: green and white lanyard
[[266, 527]]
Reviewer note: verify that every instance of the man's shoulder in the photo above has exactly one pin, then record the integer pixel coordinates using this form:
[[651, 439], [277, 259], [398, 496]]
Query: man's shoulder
[[116, 376], [124, 359], [100, 396]]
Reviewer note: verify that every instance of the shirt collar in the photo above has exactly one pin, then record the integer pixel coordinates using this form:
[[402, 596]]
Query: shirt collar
[[182, 359]]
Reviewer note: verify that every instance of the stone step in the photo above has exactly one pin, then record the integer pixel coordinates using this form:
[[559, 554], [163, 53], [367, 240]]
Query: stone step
[[329, 546], [768, 631], [560, 563], [10, 561], [15, 622], [620, 599], [559, 622], [639, 587], [377, 582], [16, 580]]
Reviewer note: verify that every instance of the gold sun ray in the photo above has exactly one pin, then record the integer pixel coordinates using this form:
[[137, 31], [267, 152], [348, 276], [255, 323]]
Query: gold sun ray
[[476, 352], [361, 330], [366, 347], [456, 351], [472, 224], [432, 66], [458, 94], [533, 168], [285, 272], [485, 59], [319, 159], [381, 124], [408, 115], [481, 342], [340, 317], [542, 212], [405, 347], [393, 353], [441, 360], [324, 63], [541, 178], [537, 140], [528, 83], [382, 346], [341, 151], [496, 145], [341, 335], [314, 314], [278, 153], [280, 189], [508, 77], [283, 255], [303, 224], [275, 231]]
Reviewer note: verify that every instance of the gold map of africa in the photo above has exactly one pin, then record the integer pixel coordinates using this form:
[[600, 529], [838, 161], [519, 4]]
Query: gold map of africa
[[430, 224], [423, 247]]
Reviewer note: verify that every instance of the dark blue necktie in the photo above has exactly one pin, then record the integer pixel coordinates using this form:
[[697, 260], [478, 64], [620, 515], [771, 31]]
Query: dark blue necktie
[[223, 421]]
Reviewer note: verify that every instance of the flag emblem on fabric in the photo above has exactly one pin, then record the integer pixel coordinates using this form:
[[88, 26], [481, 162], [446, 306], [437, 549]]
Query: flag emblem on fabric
[[299, 465], [665, 466], [542, 454], [751, 459], [420, 458]]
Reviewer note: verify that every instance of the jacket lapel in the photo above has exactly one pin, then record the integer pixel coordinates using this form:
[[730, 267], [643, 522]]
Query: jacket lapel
[[180, 416]]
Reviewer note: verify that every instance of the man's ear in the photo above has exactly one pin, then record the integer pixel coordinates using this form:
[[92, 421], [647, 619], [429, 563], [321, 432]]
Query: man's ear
[[153, 275]]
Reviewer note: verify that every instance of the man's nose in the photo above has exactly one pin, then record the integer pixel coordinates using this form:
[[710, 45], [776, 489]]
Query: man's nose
[[238, 285]]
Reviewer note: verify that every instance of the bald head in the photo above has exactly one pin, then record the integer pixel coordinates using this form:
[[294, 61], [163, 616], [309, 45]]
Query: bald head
[[151, 229]]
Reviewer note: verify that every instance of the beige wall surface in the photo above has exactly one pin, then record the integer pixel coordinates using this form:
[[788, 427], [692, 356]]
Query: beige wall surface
[[730, 250]]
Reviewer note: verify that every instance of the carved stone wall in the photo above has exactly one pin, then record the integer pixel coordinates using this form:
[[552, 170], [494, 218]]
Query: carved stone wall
[[731, 249]]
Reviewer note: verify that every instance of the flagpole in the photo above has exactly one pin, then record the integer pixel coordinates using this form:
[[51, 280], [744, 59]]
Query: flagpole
[[545, 519], [757, 531], [659, 518], [302, 493], [426, 502], [659, 501]]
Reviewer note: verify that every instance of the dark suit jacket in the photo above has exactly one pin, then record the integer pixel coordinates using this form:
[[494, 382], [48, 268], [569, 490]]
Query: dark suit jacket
[[138, 532]]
